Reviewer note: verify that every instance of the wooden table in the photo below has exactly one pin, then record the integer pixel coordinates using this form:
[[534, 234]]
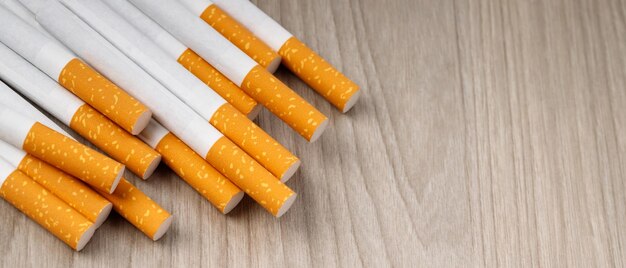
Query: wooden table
[[491, 133]]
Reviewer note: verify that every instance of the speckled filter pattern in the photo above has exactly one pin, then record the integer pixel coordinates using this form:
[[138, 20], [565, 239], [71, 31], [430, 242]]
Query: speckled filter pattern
[[249, 175], [137, 208], [116, 142], [217, 81], [72, 157], [44, 208], [239, 35], [283, 102], [102, 94], [317, 73], [253, 140], [69, 189], [194, 170]]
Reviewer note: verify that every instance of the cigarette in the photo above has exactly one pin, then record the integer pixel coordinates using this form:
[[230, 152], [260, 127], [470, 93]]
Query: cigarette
[[228, 120], [73, 74], [60, 151], [299, 58], [192, 168], [187, 58], [237, 66], [234, 32], [69, 189], [73, 112], [172, 113], [138, 209], [44, 208]]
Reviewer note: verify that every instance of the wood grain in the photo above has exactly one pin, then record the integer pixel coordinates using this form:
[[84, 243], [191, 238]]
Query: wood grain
[[491, 133]]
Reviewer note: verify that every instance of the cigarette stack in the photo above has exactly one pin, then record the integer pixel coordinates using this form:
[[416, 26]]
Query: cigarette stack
[[144, 80], [236, 33], [192, 168], [253, 79], [73, 112], [43, 207], [299, 58], [187, 58], [228, 120], [72, 73], [69, 189]]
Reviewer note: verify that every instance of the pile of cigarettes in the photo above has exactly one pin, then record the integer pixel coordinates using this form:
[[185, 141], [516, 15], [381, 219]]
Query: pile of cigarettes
[[145, 81]]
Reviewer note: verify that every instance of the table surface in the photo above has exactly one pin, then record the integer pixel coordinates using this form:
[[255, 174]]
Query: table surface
[[490, 133]]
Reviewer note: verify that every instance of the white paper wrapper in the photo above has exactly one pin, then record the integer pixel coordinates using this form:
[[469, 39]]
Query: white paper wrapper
[[35, 85], [99, 53], [5, 170], [197, 7], [11, 154], [153, 134], [148, 27], [255, 20], [200, 37], [14, 101], [148, 55], [14, 127], [31, 44]]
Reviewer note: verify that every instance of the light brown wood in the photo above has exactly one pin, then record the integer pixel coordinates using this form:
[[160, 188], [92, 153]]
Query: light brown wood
[[491, 133]]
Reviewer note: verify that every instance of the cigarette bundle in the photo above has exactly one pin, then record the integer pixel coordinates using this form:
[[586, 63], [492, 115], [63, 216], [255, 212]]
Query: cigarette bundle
[[237, 66], [60, 151], [257, 182], [95, 127], [69, 189], [60, 64], [187, 58], [15, 102], [138, 209], [192, 168], [186, 87], [300, 59], [176, 116], [44, 208], [235, 33]]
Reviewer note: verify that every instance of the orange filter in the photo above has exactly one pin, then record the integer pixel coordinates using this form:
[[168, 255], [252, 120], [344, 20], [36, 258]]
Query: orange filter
[[256, 181], [256, 142], [284, 103], [47, 210], [138, 209], [72, 157], [218, 82], [241, 37], [69, 189], [194, 170], [116, 142], [319, 74], [104, 96]]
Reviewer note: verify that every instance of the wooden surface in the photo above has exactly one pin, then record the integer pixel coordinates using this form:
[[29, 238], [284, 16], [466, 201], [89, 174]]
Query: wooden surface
[[491, 133]]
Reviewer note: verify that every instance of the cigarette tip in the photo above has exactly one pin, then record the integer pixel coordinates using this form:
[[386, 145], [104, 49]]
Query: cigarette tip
[[353, 100], [104, 214], [287, 205], [141, 123], [86, 237], [151, 168], [163, 228], [273, 66], [234, 201], [291, 171], [255, 111], [319, 130]]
